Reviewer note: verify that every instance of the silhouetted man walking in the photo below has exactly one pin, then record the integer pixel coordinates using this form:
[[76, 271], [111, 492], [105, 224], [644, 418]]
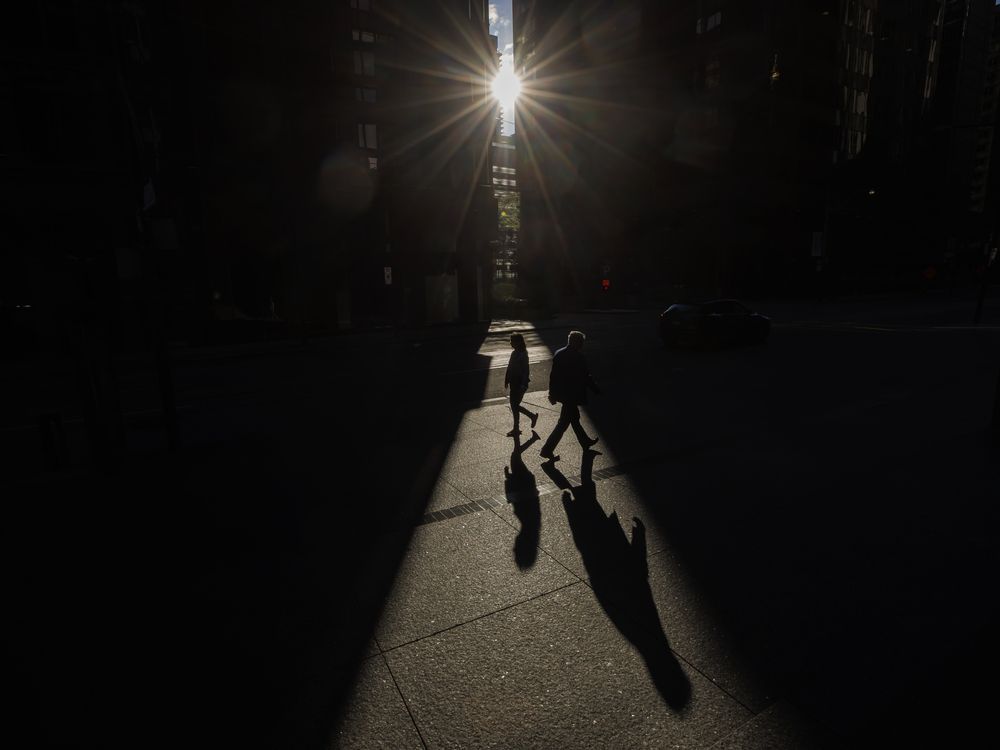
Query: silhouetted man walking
[[568, 384]]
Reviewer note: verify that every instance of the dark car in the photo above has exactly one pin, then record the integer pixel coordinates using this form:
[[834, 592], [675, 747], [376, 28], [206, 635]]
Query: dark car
[[715, 323]]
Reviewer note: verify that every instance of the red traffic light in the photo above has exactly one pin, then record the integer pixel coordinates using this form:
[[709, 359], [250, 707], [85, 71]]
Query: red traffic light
[[605, 284]]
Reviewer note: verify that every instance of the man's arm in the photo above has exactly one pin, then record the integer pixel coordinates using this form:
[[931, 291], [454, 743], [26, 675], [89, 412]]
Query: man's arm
[[588, 378], [555, 378]]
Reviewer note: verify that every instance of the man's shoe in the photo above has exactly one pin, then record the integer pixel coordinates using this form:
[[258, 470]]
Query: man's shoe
[[534, 420], [591, 442], [513, 433], [548, 456]]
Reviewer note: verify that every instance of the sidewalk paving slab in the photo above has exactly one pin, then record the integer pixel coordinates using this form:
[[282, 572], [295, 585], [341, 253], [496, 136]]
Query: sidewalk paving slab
[[551, 672], [377, 716], [460, 576], [556, 537], [456, 571]]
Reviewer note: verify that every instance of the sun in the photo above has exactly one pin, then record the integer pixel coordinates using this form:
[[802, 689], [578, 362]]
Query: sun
[[506, 88]]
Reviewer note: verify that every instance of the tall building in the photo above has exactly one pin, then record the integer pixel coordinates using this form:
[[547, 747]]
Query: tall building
[[963, 130], [991, 111], [505, 188], [249, 166], [580, 125], [696, 147], [424, 119], [687, 146], [377, 121], [895, 177]]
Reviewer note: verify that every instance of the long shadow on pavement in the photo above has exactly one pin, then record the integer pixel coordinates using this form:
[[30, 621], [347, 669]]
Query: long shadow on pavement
[[619, 576], [521, 490], [847, 551]]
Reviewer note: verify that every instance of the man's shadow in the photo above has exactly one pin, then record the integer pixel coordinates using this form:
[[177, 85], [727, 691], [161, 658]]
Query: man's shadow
[[522, 493], [619, 575]]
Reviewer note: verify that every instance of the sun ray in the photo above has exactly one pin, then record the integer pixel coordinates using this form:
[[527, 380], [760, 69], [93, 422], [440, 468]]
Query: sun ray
[[532, 160], [470, 193], [470, 52], [444, 124], [560, 27], [441, 155], [563, 247], [528, 104]]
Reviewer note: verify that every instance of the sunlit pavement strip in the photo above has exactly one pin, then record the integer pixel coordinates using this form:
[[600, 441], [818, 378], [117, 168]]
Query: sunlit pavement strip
[[535, 354], [473, 649], [497, 501], [501, 499]]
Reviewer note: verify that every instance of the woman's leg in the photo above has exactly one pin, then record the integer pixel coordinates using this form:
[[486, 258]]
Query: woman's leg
[[517, 408]]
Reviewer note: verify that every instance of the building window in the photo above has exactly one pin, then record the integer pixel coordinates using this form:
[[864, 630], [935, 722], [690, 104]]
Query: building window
[[361, 4], [359, 35], [367, 137], [713, 74], [364, 63], [365, 94], [707, 23]]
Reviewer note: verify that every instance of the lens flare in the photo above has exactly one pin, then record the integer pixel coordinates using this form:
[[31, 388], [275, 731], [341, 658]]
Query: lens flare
[[506, 88]]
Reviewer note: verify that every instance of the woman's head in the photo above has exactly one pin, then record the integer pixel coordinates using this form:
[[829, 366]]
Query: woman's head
[[517, 341]]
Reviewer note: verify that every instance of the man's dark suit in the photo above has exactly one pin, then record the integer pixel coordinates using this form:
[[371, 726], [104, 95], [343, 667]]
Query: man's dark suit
[[568, 383]]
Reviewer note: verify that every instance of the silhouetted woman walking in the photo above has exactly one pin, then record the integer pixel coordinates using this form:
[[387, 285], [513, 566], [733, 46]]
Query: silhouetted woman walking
[[516, 379]]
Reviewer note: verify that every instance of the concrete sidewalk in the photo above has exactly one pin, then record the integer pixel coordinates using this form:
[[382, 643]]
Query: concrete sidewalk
[[540, 606]]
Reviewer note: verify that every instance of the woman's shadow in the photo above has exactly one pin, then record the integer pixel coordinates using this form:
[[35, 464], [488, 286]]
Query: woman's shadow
[[522, 493], [619, 574]]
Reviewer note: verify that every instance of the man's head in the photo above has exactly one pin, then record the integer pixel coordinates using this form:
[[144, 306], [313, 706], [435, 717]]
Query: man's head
[[575, 340]]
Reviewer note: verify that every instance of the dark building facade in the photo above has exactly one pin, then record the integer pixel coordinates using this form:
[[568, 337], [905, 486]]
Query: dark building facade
[[963, 132], [378, 187], [743, 148], [991, 112], [308, 165]]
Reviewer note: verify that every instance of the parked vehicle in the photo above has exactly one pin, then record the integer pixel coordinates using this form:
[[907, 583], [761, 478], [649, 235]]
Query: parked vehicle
[[713, 323]]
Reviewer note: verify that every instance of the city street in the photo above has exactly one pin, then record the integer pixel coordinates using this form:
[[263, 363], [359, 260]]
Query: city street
[[789, 545], [263, 266]]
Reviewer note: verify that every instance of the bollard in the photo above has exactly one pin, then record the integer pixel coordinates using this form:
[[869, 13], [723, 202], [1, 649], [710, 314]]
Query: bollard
[[55, 453]]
